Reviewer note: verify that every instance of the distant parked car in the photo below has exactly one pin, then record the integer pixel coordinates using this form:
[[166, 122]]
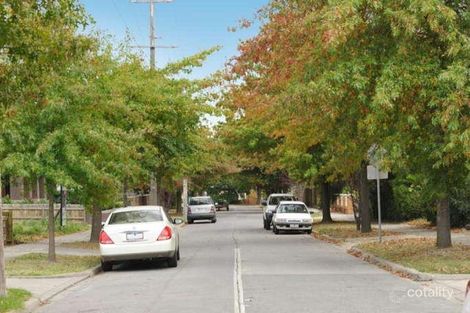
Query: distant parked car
[[201, 208], [219, 204], [292, 216], [137, 233], [269, 206]]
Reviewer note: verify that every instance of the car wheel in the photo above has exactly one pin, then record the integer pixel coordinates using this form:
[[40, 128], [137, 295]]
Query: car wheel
[[214, 220], [178, 256], [268, 226], [173, 261], [190, 221], [309, 232], [275, 230], [264, 224], [227, 207], [106, 266]]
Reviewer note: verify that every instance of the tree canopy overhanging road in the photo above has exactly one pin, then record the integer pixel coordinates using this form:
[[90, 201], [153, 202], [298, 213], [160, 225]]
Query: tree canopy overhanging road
[[320, 91]]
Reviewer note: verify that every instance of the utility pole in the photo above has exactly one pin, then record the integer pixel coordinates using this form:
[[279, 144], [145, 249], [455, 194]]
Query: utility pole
[[3, 287], [184, 199], [153, 196], [153, 38]]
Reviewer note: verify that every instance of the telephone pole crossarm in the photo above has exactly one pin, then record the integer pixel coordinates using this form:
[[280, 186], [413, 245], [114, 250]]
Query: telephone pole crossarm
[[153, 46]]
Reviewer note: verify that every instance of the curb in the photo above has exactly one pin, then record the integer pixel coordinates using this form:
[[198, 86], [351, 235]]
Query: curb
[[390, 266], [438, 277], [327, 238], [34, 303]]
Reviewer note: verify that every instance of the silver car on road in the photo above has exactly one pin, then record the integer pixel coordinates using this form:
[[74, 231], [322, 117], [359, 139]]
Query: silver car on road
[[201, 208]]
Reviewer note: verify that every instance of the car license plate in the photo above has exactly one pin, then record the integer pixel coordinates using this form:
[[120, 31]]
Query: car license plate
[[294, 225], [134, 236]]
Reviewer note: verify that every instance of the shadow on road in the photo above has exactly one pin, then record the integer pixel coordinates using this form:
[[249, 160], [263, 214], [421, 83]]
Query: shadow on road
[[144, 265]]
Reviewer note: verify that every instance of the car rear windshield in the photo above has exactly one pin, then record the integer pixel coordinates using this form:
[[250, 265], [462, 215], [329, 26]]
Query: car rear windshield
[[200, 201], [276, 200], [292, 208], [131, 217]]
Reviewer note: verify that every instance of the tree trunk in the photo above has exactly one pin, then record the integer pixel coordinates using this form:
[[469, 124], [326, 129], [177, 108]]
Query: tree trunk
[[153, 194], [444, 239], [161, 193], [179, 208], [51, 224], [258, 195], [364, 203], [95, 223], [326, 201], [3, 284], [125, 189]]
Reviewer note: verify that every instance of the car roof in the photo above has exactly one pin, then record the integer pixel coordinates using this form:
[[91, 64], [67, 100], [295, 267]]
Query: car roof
[[138, 208], [281, 195], [292, 202]]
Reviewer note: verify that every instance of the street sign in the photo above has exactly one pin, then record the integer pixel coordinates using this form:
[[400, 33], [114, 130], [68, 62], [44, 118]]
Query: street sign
[[372, 173]]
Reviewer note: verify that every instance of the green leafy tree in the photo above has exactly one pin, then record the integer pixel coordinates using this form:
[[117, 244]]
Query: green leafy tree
[[345, 75]]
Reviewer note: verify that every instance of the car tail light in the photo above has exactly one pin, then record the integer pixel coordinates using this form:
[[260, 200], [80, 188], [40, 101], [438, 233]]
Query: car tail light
[[165, 234], [105, 239], [189, 210]]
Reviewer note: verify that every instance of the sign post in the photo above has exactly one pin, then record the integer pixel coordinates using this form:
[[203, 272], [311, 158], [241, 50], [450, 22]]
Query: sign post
[[374, 173], [379, 207]]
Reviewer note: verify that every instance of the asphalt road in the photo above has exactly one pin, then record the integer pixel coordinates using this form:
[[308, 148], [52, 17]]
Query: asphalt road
[[237, 266]]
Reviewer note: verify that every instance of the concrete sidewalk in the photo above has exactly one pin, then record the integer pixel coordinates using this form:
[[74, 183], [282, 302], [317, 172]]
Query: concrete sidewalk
[[408, 231], [42, 246], [456, 283], [46, 287]]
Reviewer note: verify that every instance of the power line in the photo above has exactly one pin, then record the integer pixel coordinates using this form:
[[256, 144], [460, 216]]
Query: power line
[[128, 29]]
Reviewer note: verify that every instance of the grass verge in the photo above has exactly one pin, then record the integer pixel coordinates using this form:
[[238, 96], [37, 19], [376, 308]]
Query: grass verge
[[81, 245], [422, 255], [420, 223], [36, 264], [344, 230], [34, 230], [14, 300]]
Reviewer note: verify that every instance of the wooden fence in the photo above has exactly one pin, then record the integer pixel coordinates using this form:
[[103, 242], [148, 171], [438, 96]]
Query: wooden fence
[[39, 211]]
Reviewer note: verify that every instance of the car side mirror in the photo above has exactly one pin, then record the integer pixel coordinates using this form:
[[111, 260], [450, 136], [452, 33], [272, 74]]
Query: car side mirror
[[264, 202], [178, 221], [102, 224]]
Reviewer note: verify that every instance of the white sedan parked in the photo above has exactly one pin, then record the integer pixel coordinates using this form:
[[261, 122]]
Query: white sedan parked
[[292, 216], [136, 233]]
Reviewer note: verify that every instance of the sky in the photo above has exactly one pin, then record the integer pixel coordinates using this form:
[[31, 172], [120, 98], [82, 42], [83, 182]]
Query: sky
[[191, 25]]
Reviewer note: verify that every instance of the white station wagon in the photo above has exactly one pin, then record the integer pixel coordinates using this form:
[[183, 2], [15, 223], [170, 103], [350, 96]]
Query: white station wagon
[[292, 216], [137, 233]]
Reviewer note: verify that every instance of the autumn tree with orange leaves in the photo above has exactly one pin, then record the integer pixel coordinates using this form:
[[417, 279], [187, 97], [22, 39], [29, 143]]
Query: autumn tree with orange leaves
[[328, 79]]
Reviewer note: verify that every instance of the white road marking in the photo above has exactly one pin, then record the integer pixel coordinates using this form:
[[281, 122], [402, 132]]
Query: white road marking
[[239, 302]]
